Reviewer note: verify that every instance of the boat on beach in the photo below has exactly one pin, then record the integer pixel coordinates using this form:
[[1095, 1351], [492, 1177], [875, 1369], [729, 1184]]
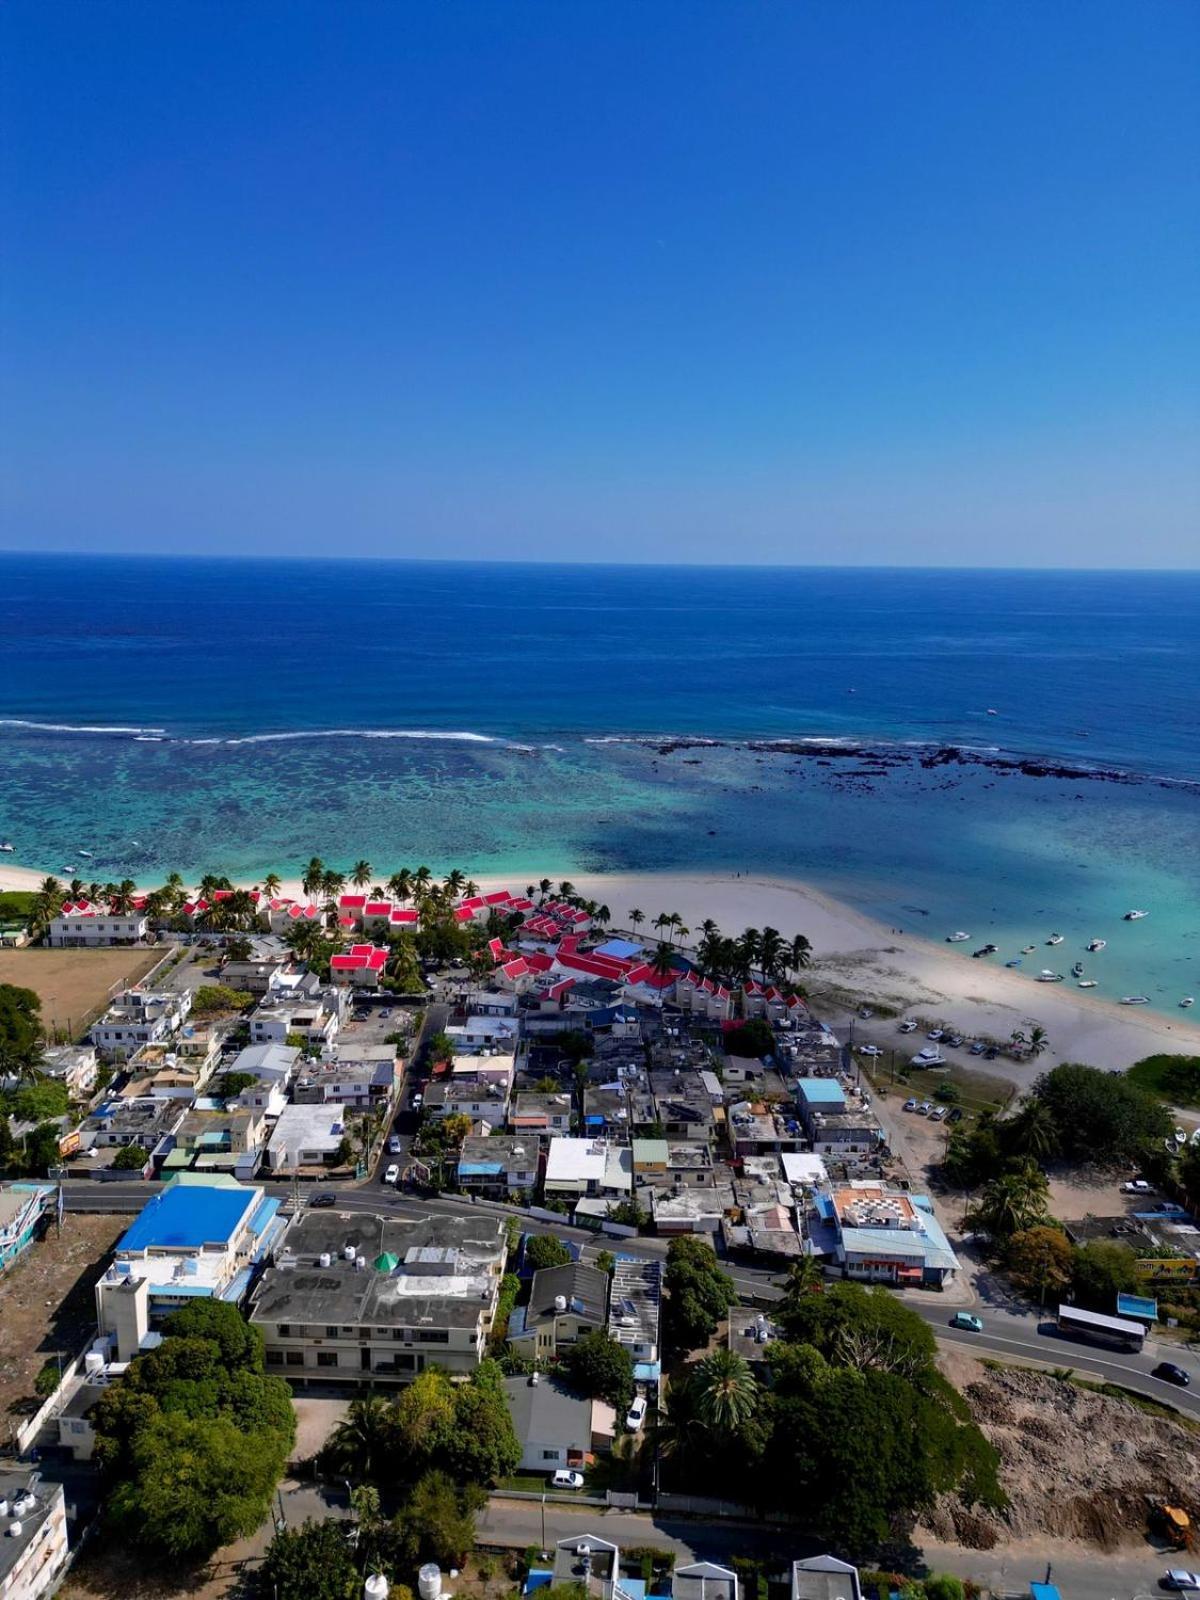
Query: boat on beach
[[1135, 916], [1135, 999], [1097, 944]]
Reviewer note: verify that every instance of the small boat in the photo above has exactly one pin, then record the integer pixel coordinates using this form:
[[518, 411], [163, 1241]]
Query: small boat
[[68, 869], [1087, 983], [1015, 963], [1135, 999], [1188, 1000], [86, 854], [1135, 916], [1027, 950], [1097, 944], [1180, 1135], [1055, 938], [7, 848], [1077, 970], [992, 712], [957, 938], [1046, 976]]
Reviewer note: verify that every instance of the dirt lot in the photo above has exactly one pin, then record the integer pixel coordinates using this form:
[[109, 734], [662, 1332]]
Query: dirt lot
[[47, 1306], [72, 983], [1075, 1464]]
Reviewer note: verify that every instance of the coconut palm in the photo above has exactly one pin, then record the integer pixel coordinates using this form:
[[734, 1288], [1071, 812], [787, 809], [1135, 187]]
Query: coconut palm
[[1039, 1040], [748, 948], [804, 1277], [799, 954], [662, 921], [455, 881], [400, 884], [680, 1428], [602, 916], [566, 889], [272, 884], [544, 887], [771, 950], [122, 900], [363, 1445], [1011, 1203], [76, 889], [636, 918], [709, 929], [421, 880], [332, 884], [313, 877], [726, 1391], [662, 962], [360, 874], [1033, 1131]]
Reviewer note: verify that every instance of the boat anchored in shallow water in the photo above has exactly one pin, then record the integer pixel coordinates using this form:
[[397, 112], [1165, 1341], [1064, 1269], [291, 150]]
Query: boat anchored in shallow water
[[1135, 999], [1135, 916], [1188, 1000], [1055, 938], [7, 848], [1028, 949], [1086, 983], [957, 938], [1046, 976], [1077, 970], [1097, 944], [1015, 963]]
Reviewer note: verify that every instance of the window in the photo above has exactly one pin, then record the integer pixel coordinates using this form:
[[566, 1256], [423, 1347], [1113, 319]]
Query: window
[[327, 1358], [432, 1335], [274, 1358], [285, 1330], [549, 1455], [331, 1333], [295, 1358]]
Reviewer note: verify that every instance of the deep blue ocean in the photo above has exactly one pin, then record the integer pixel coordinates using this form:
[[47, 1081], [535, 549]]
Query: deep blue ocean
[[187, 714]]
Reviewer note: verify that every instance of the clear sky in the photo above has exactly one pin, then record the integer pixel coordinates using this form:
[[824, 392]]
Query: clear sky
[[823, 280]]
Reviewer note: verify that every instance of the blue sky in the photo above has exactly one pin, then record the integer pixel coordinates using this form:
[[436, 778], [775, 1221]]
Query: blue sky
[[673, 281]]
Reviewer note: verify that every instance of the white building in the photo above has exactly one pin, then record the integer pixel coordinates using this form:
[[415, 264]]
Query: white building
[[33, 1544], [139, 1017], [588, 1167], [80, 924], [306, 1136], [74, 1065]]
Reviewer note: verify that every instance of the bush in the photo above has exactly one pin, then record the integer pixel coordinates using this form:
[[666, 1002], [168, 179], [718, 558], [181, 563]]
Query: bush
[[130, 1158], [755, 1038], [47, 1380], [212, 998], [944, 1586]]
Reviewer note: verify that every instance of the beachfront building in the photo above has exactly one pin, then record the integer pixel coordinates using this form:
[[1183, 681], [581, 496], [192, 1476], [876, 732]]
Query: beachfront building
[[139, 1017], [361, 967], [498, 1165], [578, 1167], [878, 1234], [82, 925], [361, 1300], [197, 1238], [33, 1546], [284, 914], [703, 997], [306, 1137]]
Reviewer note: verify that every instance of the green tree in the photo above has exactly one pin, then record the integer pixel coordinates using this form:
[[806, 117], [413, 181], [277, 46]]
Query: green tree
[[700, 1293], [1101, 1270], [1101, 1117], [1040, 1260], [545, 1250], [601, 1368], [211, 999], [231, 1084], [364, 1445], [482, 1446], [1010, 1203], [130, 1158], [39, 1102], [20, 1030], [438, 1522], [312, 1562], [239, 1343], [754, 1038], [1033, 1131], [360, 875], [727, 1391]]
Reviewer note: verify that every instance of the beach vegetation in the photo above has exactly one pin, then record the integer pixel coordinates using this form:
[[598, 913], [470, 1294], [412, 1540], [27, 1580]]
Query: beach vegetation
[[1011, 1203], [1175, 1079], [1101, 1117]]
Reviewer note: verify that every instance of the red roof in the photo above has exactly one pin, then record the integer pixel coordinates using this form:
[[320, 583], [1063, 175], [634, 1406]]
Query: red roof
[[308, 911], [646, 975], [496, 947], [516, 969], [594, 966], [378, 908], [463, 914], [499, 898], [345, 922], [359, 958], [403, 916], [352, 902], [539, 962], [522, 905], [557, 990], [474, 903]]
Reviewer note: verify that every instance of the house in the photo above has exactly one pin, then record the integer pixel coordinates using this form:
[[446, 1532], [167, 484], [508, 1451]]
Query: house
[[81, 925], [483, 1033], [76, 1066], [147, 1122], [362, 1300], [286, 914], [499, 1165], [884, 1235], [262, 971], [22, 1207], [33, 1551], [756, 1128], [588, 1167], [819, 1095], [848, 1135], [750, 1335], [138, 1017], [312, 1014], [225, 1140], [484, 1069], [825, 1578], [543, 1114], [646, 987], [650, 1161], [270, 1063], [555, 1427], [564, 1304], [306, 1136], [683, 1106], [195, 1238], [492, 1003], [634, 1310], [362, 966], [682, 1207], [704, 1580], [363, 1077], [482, 1102], [606, 1112]]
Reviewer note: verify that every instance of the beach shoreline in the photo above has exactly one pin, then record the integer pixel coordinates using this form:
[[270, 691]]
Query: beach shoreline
[[856, 955]]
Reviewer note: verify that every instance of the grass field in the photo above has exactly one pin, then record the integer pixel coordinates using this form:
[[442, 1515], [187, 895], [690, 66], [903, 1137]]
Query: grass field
[[977, 1091], [1175, 1079], [71, 984], [16, 904]]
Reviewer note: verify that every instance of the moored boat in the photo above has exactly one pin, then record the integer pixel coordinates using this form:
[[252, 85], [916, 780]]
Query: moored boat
[[1097, 944], [1135, 916], [1087, 983], [1135, 999], [1046, 976], [957, 938], [1055, 938]]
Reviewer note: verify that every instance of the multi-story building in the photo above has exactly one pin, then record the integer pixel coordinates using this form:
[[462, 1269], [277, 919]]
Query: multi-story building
[[33, 1535], [498, 1165], [577, 1167], [303, 1010], [75, 1066], [80, 925], [882, 1235], [360, 1077], [363, 1300], [543, 1114], [139, 1017], [565, 1303], [634, 1309]]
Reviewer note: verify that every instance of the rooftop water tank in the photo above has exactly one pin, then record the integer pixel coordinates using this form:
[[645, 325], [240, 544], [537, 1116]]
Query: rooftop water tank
[[14, 1530], [326, 1259], [560, 1303], [93, 1363], [429, 1581], [375, 1586], [349, 1252], [4, 1506]]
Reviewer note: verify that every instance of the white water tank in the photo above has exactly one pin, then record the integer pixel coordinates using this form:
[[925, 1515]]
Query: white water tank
[[14, 1529], [93, 1364], [375, 1586], [560, 1303], [4, 1506], [326, 1259], [349, 1252], [429, 1581]]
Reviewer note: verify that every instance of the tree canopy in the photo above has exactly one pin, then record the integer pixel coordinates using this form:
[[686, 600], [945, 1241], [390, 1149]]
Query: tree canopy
[[545, 1250], [20, 1029], [700, 1293], [598, 1366]]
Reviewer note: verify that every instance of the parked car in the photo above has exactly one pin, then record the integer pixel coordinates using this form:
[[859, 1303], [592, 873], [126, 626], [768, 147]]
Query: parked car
[[937, 1113], [1137, 1186], [1180, 1578], [928, 1057], [908, 1027], [1170, 1373], [320, 1201], [869, 1050], [954, 1039], [978, 1047], [865, 1013], [910, 1105], [968, 1321], [935, 1034], [392, 1175], [394, 1144], [565, 1479], [925, 1108], [636, 1414], [990, 1053], [955, 1114]]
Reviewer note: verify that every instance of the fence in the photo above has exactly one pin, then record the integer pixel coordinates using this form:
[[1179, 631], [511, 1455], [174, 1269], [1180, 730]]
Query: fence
[[24, 1436]]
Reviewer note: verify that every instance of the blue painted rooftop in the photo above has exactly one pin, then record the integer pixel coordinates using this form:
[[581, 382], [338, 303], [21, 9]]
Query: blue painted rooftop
[[821, 1091], [185, 1218], [1044, 1591], [620, 949]]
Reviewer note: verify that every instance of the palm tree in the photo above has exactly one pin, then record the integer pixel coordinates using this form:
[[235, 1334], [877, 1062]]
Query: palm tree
[[332, 884], [421, 879], [566, 889], [748, 949], [662, 921], [680, 1429], [1011, 1203], [709, 929], [636, 918], [804, 1277], [47, 903], [272, 884], [1039, 1040], [76, 889], [1033, 1130], [771, 952], [602, 916], [662, 962], [544, 887], [122, 901], [455, 881], [400, 884], [726, 1391], [799, 954], [361, 874], [313, 877], [364, 1443]]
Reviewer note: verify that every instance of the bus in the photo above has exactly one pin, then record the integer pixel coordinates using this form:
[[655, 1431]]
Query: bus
[[1119, 1332]]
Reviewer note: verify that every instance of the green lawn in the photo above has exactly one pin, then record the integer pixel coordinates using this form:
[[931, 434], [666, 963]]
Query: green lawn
[[16, 905], [1175, 1079], [977, 1091]]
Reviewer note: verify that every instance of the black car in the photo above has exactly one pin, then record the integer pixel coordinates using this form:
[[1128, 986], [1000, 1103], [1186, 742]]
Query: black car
[[1170, 1373], [323, 1199]]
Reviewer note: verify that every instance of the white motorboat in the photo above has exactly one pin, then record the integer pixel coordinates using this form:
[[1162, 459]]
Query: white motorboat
[[1135, 999], [7, 848], [992, 712], [1055, 938], [1077, 970], [86, 854], [1135, 916], [1097, 944], [1046, 976], [1028, 949], [1087, 983], [1188, 1000], [69, 869], [957, 938]]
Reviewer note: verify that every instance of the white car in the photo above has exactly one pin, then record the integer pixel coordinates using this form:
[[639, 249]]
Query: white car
[[908, 1027], [636, 1414], [394, 1145], [1181, 1578], [564, 1479], [869, 1050], [1137, 1186], [928, 1057], [392, 1175]]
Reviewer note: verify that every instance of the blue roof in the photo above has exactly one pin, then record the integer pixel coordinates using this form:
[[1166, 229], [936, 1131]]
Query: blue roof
[[620, 949], [1044, 1591], [821, 1091], [186, 1218]]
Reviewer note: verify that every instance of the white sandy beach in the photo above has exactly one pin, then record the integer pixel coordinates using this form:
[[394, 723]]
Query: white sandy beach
[[859, 954]]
